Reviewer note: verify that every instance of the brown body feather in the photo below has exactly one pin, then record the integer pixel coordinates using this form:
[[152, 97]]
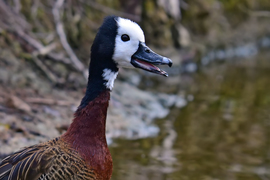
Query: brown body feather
[[80, 153]]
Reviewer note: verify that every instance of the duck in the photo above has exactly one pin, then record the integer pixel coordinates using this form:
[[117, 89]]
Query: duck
[[82, 152]]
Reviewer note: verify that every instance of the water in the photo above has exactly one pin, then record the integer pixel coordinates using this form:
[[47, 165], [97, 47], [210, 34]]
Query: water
[[223, 134]]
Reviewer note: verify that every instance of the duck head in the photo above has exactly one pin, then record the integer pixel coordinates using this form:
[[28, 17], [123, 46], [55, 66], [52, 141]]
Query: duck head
[[122, 41], [119, 43]]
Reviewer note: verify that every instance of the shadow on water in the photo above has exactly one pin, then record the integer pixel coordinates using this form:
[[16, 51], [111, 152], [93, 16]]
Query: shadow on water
[[222, 134]]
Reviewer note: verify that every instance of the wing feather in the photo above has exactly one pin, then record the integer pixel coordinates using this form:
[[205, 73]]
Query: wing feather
[[50, 160], [4, 169], [23, 164]]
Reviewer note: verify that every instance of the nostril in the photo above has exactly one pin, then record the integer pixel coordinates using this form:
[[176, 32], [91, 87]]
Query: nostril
[[147, 50]]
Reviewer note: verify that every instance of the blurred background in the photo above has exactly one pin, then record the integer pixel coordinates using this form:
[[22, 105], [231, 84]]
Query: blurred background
[[209, 120]]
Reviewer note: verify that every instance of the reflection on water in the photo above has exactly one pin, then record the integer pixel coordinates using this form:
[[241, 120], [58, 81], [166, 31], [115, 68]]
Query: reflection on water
[[222, 134]]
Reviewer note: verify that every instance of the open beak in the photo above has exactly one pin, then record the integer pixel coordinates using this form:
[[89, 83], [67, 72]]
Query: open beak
[[146, 59]]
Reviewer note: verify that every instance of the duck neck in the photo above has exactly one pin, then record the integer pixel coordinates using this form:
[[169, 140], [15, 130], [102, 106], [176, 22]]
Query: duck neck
[[86, 135], [88, 126], [100, 79]]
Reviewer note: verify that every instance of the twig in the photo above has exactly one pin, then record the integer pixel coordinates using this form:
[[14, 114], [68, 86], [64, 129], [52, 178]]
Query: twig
[[34, 9], [40, 48], [13, 17], [59, 57], [48, 101], [45, 70], [18, 6], [7, 22], [63, 39], [34, 43], [45, 50]]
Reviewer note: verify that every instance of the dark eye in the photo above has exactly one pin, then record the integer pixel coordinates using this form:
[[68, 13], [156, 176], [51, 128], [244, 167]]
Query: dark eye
[[125, 37]]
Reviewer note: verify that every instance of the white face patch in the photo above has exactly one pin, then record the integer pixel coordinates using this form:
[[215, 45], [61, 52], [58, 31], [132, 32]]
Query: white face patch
[[125, 49], [109, 76]]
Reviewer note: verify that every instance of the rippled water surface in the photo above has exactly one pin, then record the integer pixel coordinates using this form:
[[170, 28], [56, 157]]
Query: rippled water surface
[[224, 133]]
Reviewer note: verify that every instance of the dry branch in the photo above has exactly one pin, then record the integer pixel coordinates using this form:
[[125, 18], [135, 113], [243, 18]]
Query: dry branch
[[61, 33], [18, 26], [59, 57], [45, 70], [45, 50], [34, 43], [12, 17], [17, 6], [48, 101]]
